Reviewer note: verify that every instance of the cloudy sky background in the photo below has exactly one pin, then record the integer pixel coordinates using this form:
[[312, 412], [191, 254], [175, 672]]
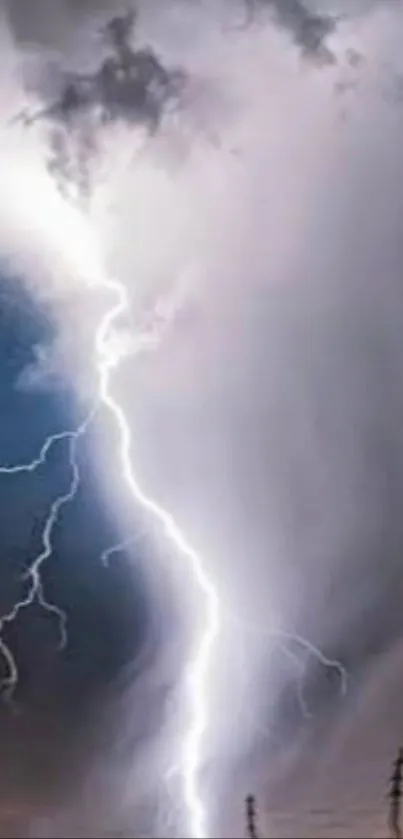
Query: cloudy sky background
[[258, 233]]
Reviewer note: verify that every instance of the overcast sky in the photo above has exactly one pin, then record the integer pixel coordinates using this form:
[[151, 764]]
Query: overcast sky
[[251, 204]]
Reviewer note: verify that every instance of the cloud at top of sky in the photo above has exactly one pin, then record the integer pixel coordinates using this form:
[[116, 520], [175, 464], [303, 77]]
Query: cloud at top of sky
[[78, 94]]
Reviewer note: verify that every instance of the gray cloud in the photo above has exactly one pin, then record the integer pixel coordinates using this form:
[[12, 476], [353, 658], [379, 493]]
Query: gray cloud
[[309, 30], [129, 84]]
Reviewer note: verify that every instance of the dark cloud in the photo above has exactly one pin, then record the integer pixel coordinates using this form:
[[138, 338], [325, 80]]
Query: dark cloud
[[130, 85], [308, 30]]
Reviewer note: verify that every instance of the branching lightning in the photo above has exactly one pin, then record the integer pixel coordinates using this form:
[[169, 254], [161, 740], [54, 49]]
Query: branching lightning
[[33, 576], [107, 361], [191, 757]]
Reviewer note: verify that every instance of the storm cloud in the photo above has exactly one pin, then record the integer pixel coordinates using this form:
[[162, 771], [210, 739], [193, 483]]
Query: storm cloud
[[256, 213]]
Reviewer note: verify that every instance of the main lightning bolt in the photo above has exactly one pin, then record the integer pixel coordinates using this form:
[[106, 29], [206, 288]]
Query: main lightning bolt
[[191, 759], [213, 611], [107, 360], [198, 668]]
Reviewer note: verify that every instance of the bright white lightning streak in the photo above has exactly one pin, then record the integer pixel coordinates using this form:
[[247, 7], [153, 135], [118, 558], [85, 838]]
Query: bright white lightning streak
[[198, 668], [197, 673], [192, 755]]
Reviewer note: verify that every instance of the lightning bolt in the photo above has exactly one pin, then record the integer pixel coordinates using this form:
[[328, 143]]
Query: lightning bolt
[[198, 668], [196, 676], [197, 672]]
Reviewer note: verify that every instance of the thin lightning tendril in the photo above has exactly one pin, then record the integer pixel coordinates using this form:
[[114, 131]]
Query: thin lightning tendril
[[284, 639], [120, 547], [192, 754]]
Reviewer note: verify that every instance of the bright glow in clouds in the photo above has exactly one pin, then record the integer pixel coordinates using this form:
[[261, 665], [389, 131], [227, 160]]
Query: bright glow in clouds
[[31, 203]]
